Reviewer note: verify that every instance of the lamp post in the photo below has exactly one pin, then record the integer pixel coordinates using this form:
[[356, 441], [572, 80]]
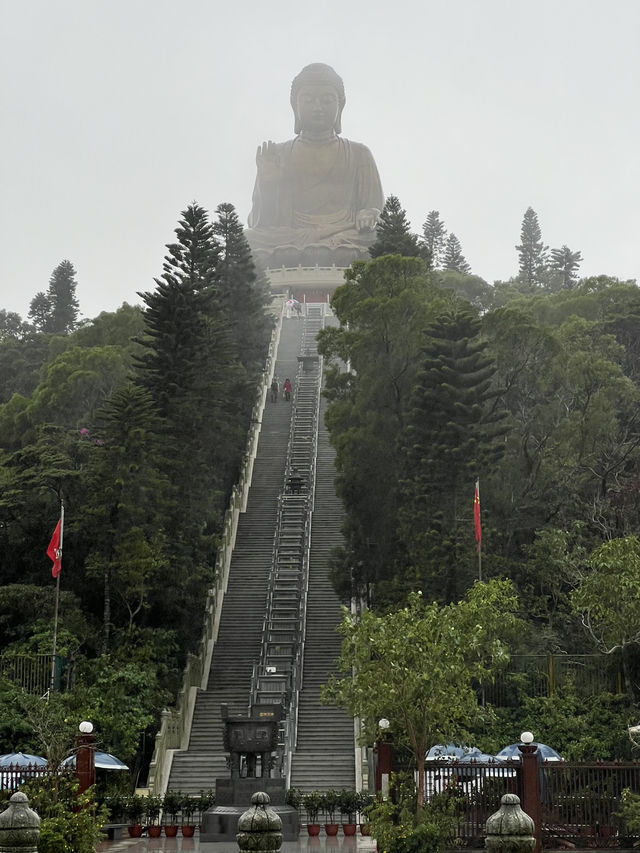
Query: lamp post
[[385, 758], [531, 784], [85, 756]]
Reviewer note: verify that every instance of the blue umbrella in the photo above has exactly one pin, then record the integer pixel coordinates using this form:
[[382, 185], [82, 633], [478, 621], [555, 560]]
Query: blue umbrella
[[102, 760], [512, 752], [450, 752], [480, 758], [21, 759]]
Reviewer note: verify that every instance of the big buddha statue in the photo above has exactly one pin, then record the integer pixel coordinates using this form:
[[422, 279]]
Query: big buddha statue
[[317, 197]]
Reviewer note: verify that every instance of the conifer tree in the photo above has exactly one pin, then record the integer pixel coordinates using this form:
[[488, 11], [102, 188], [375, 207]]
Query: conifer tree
[[393, 232], [56, 311], [453, 258], [434, 235], [532, 251], [243, 293], [189, 366], [452, 436], [564, 266]]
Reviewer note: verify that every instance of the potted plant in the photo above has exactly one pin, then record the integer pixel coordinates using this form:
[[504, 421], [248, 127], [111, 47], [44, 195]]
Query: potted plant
[[330, 801], [204, 802], [134, 810], [312, 802], [189, 806], [171, 804], [349, 803], [152, 806], [365, 799]]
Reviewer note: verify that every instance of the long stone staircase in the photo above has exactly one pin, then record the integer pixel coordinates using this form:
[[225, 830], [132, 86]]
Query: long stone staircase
[[239, 637], [324, 753]]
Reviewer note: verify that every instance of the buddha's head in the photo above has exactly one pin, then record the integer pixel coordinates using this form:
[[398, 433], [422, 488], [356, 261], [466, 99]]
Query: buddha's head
[[317, 98]]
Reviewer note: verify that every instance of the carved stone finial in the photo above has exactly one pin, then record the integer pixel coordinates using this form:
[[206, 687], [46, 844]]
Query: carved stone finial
[[259, 828], [19, 826], [510, 830]]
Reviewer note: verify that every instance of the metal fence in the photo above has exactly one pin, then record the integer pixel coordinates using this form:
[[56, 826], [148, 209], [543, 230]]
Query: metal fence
[[32, 672], [580, 802], [14, 776], [544, 675]]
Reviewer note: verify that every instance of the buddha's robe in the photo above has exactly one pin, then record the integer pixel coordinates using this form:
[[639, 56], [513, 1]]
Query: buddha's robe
[[315, 199]]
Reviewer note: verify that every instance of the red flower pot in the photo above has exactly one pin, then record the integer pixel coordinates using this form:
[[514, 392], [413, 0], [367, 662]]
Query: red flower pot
[[349, 828], [313, 829], [135, 830], [155, 831], [171, 830], [331, 828], [188, 830]]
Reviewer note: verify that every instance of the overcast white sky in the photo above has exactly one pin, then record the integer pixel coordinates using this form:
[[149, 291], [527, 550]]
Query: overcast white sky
[[116, 114]]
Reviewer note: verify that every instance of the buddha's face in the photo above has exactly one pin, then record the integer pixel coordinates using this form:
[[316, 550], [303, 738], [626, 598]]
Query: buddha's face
[[318, 107]]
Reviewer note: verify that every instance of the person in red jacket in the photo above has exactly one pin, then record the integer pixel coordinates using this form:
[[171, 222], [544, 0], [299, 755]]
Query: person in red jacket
[[287, 388]]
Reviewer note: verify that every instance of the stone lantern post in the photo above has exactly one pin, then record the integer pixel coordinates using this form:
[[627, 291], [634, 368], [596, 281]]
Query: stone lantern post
[[259, 828], [19, 826], [510, 830]]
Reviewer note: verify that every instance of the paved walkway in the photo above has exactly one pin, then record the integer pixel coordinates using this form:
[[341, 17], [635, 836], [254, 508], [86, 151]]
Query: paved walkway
[[340, 844]]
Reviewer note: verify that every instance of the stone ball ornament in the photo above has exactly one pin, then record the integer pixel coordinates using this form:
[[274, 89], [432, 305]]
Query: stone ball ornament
[[259, 828], [510, 830], [19, 825]]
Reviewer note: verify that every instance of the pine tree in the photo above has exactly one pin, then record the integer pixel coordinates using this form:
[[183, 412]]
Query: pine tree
[[532, 251], [434, 235], [40, 311], [453, 434], [564, 265], [56, 311], [393, 234], [189, 366], [453, 257], [242, 292]]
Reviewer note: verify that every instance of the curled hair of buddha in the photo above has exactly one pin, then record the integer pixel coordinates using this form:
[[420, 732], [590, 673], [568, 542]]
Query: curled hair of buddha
[[322, 74]]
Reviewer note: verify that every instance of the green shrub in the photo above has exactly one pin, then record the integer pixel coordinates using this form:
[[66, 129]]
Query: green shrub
[[71, 822]]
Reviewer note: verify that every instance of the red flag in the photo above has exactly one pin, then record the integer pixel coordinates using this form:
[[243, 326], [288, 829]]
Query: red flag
[[54, 551], [476, 514]]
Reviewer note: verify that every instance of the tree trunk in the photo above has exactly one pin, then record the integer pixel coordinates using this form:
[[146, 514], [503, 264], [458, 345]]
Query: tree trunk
[[420, 765]]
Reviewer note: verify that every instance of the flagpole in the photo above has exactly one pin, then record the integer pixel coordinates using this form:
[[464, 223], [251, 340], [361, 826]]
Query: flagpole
[[478, 527], [55, 617]]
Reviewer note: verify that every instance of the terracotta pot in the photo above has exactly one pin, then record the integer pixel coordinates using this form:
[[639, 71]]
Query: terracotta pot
[[188, 830], [331, 828], [365, 829], [313, 829], [349, 828], [135, 830], [155, 831], [171, 830]]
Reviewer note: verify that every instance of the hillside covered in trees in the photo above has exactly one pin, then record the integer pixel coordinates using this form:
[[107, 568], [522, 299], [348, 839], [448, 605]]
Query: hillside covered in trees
[[137, 420]]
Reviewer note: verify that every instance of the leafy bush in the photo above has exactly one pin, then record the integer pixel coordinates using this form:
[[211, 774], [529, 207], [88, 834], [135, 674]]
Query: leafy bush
[[71, 822], [397, 827]]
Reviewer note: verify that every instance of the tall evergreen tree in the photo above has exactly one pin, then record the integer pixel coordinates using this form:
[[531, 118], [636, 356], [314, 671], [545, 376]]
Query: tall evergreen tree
[[531, 251], [564, 265], [453, 258], [189, 366], [451, 436], [56, 311], [434, 235], [393, 232], [243, 293]]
